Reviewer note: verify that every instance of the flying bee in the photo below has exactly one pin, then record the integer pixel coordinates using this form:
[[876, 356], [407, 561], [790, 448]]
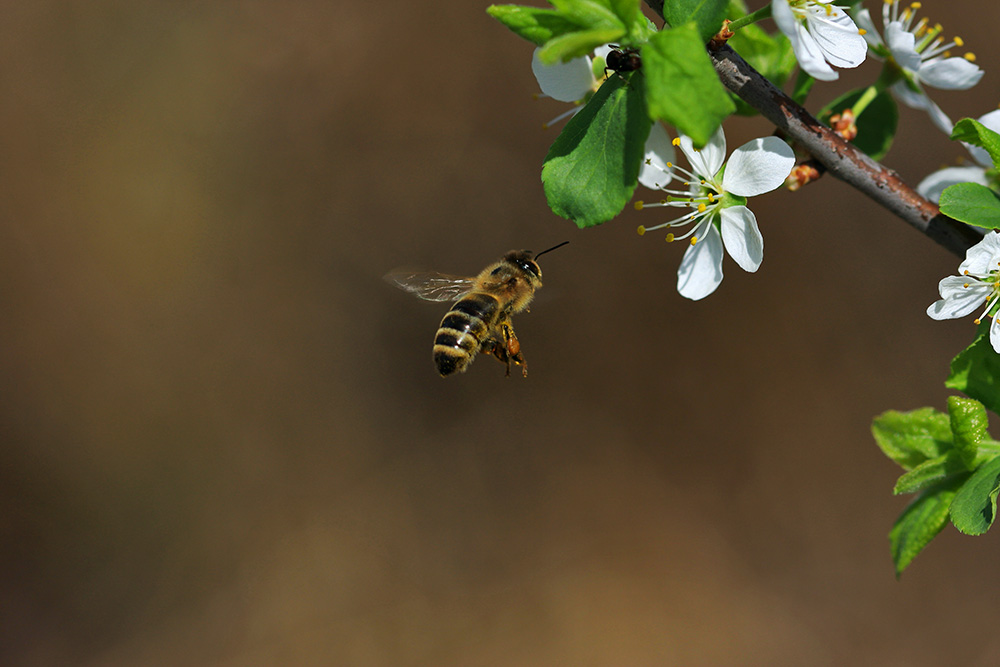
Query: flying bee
[[622, 59], [480, 317]]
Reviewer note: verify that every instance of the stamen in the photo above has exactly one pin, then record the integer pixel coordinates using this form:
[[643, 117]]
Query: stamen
[[641, 230], [558, 118]]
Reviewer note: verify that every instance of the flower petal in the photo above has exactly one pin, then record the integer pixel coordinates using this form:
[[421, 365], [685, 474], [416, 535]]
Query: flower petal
[[919, 100], [902, 45], [566, 82], [934, 184], [958, 300], [864, 21], [653, 172], [706, 161], [995, 334], [700, 272], [950, 74], [807, 51], [742, 237], [837, 36], [758, 166], [991, 120], [603, 51], [982, 258]]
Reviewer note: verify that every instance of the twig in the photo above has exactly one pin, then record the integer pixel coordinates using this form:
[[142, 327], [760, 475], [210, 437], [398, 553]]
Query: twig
[[839, 157]]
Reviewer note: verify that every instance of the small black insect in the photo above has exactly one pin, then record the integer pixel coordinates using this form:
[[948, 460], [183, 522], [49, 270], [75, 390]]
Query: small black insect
[[621, 60]]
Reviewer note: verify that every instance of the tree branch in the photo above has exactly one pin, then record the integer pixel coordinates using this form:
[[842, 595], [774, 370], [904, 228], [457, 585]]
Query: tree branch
[[839, 157]]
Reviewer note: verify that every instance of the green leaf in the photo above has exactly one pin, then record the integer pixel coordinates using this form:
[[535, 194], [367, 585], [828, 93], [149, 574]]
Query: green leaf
[[706, 14], [976, 371], [931, 472], [683, 88], [876, 124], [627, 12], [533, 24], [972, 203], [577, 44], [920, 523], [968, 427], [592, 168], [574, 28], [975, 504], [973, 132], [911, 438], [588, 14]]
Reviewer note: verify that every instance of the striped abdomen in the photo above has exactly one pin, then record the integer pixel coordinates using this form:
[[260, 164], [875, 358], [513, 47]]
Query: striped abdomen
[[463, 331]]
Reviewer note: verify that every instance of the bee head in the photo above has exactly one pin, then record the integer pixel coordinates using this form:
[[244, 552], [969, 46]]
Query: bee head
[[522, 260]]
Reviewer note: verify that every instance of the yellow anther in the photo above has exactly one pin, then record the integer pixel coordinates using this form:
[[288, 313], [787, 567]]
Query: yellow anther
[[862, 31], [670, 165], [694, 239], [663, 201], [829, 9], [971, 57], [545, 126], [670, 238], [676, 141], [638, 207], [916, 5], [959, 41], [701, 208], [711, 197], [641, 230], [966, 285], [965, 273], [976, 321]]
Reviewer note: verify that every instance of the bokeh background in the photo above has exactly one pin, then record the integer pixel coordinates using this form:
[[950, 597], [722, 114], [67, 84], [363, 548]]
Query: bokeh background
[[223, 440]]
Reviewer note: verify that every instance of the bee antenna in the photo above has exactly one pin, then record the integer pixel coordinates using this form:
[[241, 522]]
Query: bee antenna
[[550, 249]]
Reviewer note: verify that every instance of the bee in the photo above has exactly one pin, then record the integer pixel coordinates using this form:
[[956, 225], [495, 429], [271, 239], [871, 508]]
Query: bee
[[621, 59], [480, 317]]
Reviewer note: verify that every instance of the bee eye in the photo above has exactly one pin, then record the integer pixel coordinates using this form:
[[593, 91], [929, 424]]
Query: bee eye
[[528, 267]]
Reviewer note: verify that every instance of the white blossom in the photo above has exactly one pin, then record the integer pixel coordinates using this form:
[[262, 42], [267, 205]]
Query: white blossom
[[922, 57], [716, 198], [977, 286], [821, 34]]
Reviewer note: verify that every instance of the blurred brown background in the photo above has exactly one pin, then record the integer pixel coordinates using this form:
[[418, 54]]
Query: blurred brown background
[[224, 442]]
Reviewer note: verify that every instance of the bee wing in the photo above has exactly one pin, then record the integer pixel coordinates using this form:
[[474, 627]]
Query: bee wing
[[430, 285]]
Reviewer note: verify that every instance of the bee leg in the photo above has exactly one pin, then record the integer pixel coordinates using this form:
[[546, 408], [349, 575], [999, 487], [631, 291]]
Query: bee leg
[[513, 350], [498, 349]]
